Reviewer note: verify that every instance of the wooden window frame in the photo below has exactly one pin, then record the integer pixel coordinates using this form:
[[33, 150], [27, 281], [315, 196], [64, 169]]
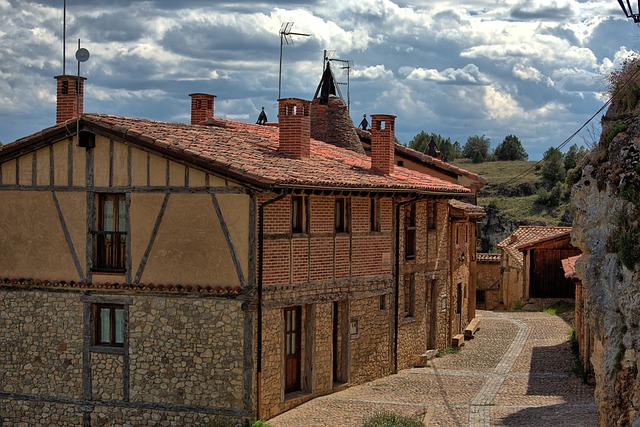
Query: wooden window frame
[[293, 341], [110, 246], [342, 215], [410, 243], [409, 295], [299, 215], [374, 215], [432, 214], [111, 341]]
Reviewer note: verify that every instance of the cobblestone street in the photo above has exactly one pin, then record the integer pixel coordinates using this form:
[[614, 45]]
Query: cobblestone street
[[517, 371]]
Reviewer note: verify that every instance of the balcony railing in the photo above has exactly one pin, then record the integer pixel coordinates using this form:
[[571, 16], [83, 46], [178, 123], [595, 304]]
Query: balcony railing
[[110, 249]]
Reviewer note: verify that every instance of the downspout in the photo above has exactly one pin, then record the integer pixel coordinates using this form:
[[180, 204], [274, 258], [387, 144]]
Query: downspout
[[397, 284], [260, 270]]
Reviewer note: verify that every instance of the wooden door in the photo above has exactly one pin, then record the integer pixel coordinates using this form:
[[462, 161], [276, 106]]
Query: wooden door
[[292, 348], [458, 325]]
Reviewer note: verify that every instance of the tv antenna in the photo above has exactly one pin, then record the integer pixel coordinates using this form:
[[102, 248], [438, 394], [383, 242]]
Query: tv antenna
[[285, 38], [82, 55], [347, 65]]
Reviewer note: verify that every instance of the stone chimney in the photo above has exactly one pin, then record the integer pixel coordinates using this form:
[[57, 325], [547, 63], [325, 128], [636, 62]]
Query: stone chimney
[[382, 143], [68, 106], [295, 124], [201, 107]]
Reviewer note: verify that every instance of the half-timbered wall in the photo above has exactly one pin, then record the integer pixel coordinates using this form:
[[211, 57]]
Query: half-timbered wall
[[186, 358], [184, 226]]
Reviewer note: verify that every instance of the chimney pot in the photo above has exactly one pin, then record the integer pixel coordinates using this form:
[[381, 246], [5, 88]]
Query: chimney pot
[[295, 127], [70, 97], [383, 142], [201, 107]]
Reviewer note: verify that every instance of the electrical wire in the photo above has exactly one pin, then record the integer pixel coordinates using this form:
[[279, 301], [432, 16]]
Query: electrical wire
[[573, 135]]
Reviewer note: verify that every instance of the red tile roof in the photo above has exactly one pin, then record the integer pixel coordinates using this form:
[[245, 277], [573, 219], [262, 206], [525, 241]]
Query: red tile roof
[[569, 267], [486, 257], [428, 160], [249, 153]]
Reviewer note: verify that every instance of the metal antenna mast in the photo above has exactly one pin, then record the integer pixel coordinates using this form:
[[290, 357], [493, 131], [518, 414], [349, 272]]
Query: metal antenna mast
[[285, 33], [64, 38], [347, 66]]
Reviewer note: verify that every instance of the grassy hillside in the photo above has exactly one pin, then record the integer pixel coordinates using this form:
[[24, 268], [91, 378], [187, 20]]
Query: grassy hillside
[[512, 189]]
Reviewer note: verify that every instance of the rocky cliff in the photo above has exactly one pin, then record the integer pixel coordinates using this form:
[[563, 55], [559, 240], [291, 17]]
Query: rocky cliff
[[606, 210]]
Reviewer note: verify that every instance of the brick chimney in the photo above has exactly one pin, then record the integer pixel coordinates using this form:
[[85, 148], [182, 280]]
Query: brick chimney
[[295, 124], [67, 106], [201, 107], [382, 143]]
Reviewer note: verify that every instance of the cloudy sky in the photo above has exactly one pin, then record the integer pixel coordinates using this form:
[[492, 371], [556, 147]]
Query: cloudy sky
[[533, 68]]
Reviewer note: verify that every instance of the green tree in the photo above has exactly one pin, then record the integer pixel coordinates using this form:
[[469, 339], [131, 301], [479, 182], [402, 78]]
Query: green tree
[[457, 150], [477, 148], [573, 156], [510, 149], [420, 143], [552, 170]]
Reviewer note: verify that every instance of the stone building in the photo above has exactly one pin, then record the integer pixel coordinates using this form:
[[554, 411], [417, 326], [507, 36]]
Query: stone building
[[488, 294], [583, 334], [155, 272]]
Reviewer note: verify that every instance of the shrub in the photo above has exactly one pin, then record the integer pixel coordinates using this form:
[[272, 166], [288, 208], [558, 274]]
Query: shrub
[[259, 423], [388, 419]]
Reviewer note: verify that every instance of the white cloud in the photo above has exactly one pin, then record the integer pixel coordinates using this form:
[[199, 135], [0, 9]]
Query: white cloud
[[477, 66]]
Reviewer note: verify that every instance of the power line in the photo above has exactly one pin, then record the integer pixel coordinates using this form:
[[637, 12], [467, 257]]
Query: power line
[[573, 135]]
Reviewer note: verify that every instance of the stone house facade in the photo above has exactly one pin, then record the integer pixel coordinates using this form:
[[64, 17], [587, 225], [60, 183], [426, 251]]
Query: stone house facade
[[488, 295], [157, 273]]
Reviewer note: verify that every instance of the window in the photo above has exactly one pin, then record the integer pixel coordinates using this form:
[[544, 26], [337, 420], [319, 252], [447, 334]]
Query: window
[[383, 302], [354, 330], [431, 215], [400, 163], [110, 238], [409, 294], [109, 324], [410, 231], [299, 214], [342, 215], [374, 215]]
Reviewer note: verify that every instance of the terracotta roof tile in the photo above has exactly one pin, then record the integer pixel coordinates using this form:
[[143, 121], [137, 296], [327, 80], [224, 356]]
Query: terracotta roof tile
[[569, 267], [250, 152], [486, 257], [528, 234]]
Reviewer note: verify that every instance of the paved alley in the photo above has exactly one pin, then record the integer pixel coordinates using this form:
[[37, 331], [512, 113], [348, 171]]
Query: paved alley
[[517, 371]]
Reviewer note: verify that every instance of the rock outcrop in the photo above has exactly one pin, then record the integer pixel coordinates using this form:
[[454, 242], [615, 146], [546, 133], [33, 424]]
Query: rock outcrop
[[606, 210]]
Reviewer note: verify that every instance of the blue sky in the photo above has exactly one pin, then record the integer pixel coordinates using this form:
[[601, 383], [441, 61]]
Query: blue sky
[[536, 68]]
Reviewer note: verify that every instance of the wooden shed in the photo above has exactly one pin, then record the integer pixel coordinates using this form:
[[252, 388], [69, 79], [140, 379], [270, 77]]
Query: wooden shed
[[543, 273]]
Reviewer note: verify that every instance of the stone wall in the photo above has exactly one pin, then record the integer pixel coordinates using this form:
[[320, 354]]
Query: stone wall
[[181, 355], [605, 194], [489, 278]]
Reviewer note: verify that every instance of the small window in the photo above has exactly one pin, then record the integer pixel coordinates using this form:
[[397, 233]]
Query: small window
[[383, 302], [354, 330], [109, 325], [410, 231], [374, 215], [299, 214], [342, 215], [409, 295], [400, 163], [110, 236], [431, 215]]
